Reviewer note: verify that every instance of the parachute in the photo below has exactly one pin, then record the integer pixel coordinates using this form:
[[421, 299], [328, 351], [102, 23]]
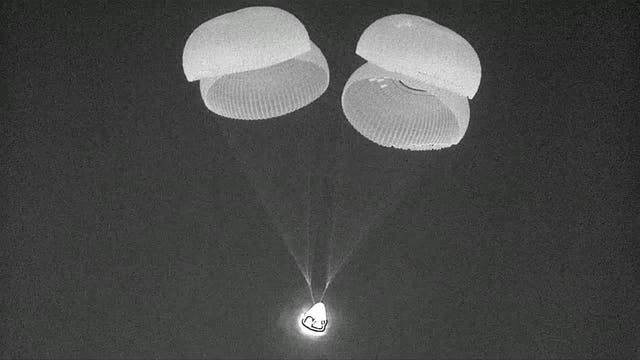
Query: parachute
[[412, 94], [255, 63], [413, 91]]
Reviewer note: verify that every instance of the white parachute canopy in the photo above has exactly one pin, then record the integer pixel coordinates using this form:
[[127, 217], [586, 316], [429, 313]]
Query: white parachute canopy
[[413, 91], [255, 63]]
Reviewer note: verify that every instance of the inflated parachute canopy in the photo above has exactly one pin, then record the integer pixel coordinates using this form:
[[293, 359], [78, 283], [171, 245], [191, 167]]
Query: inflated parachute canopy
[[255, 63], [413, 91]]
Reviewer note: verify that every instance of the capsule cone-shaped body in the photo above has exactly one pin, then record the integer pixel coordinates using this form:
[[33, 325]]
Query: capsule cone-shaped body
[[315, 319], [413, 91], [255, 63]]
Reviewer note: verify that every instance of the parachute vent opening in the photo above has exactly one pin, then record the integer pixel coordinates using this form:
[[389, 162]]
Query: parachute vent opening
[[409, 87]]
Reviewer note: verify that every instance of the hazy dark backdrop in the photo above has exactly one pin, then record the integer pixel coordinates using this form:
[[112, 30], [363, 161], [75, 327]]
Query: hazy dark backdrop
[[130, 229]]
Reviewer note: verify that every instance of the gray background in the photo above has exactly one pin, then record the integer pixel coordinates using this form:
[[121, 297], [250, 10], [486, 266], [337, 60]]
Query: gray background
[[133, 224]]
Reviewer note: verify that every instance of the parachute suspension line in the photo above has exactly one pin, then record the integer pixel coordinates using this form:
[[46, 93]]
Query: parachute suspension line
[[337, 171], [305, 141], [306, 274], [332, 239], [348, 255], [326, 286], [309, 233]]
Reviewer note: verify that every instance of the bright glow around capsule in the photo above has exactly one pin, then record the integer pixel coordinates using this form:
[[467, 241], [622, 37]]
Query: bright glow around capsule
[[314, 321]]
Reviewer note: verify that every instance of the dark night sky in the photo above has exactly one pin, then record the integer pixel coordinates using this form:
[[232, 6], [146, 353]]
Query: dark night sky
[[135, 223]]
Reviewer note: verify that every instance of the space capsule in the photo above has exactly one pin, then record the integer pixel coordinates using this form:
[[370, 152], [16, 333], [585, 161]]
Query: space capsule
[[315, 319]]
